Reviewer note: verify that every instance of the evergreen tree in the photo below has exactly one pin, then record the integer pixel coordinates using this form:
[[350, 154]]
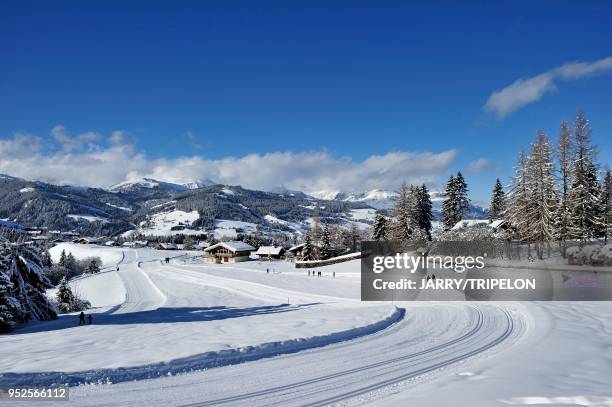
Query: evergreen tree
[[46, 259], [563, 215], [403, 213], [379, 229], [63, 261], [308, 250], [64, 297], [462, 195], [189, 243], [326, 252], [93, 267], [425, 214], [584, 198], [498, 202], [449, 207], [9, 306], [519, 199], [607, 204], [25, 297], [540, 213], [71, 263], [456, 204], [564, 155]]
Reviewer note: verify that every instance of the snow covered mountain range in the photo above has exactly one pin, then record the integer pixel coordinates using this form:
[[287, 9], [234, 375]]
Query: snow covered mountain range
[[150, 183], [157, 207], [383, 199]]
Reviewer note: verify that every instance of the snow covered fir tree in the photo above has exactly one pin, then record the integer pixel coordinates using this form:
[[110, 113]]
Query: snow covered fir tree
[[379, 229], [456, 203], [497, 208], [326, 252], [67, 300], [412, 215], [23, 286], [64, 297], [93, 267]]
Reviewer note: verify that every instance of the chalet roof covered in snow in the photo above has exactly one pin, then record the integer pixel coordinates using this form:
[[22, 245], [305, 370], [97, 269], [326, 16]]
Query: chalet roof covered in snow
[[296, 247], [233, 246], [497, 223], [467, 223], [300, 246], [269, 251]]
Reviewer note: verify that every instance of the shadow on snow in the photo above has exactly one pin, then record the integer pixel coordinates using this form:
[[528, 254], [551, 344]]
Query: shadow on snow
[[161, 315]]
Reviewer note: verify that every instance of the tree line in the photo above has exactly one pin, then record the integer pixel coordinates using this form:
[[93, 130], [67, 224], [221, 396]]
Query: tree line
[[558, 193]]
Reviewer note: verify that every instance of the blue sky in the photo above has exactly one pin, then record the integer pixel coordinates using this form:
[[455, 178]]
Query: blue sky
[[346, 79]]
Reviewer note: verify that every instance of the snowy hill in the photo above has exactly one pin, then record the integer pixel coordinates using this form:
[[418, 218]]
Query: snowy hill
[[151, 206], [149, 183]]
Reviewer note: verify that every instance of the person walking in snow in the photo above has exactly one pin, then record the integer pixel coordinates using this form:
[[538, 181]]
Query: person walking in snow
[[82, 318], [89, 318]]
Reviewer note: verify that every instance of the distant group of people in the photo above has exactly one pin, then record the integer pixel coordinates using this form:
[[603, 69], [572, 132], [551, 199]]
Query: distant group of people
[[82, 318], [318, 273]]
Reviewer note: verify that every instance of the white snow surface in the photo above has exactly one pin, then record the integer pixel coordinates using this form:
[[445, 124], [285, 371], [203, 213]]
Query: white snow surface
[[110, 256], [88, 218], [161, 223], [102, 290], [363, 214], [229, 229], [183, 330], [123, 208]]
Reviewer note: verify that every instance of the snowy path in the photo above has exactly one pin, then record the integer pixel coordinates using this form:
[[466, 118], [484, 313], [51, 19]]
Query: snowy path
[[141, 293], [426, 341]]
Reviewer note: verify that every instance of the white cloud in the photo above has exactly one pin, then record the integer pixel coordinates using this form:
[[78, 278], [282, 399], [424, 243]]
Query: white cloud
[[193, 140], [79, 161], [525, 91], [72, 143], [482, 164], [117, 137]]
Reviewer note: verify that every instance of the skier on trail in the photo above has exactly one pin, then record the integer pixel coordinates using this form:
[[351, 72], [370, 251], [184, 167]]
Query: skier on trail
[[89, 318], [82, 318]]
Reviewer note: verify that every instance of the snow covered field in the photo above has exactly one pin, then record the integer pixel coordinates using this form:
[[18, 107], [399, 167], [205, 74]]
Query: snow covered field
[[265, 333]]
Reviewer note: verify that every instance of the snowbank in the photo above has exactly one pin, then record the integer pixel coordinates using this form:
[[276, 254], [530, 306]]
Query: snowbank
[[109, 256], [101, 290], [201, 361]]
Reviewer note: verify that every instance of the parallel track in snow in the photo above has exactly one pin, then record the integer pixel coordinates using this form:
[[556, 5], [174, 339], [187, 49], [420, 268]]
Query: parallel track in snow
[[394, 370], [431, 338]]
